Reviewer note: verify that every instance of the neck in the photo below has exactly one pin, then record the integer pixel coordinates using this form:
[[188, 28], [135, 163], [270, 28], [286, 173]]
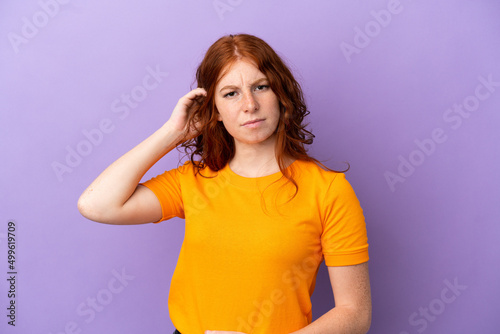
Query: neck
[[256, 160]]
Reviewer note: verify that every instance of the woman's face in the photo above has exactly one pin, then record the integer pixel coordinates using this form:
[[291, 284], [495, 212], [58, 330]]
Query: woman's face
[[243, 94]]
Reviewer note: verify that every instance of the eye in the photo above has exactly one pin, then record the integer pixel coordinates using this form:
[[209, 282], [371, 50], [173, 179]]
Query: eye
[[230, 94], [262, 87]]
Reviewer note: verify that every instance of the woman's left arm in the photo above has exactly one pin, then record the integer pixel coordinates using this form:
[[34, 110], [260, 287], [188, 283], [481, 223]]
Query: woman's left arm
[[353, 305]]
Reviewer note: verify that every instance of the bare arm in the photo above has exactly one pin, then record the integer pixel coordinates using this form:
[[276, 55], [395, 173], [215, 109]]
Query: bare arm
[[115, 196], [353, 306]]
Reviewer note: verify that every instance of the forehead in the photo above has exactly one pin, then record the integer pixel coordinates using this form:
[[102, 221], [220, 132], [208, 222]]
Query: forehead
[[240, 70]]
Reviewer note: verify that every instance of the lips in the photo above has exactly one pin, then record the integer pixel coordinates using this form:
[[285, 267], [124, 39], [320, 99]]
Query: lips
[[254, 121]]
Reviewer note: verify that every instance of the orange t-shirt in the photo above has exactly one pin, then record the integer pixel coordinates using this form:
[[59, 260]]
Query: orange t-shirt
[[249, 263]]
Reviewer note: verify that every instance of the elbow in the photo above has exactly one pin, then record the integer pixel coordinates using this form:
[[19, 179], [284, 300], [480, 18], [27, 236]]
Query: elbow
[[97, 211], [367, 324], [361, 319], [88, 209], [84, 207], [365, 320]]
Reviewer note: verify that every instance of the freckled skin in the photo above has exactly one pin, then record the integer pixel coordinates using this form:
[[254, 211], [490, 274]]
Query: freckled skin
[[244, 96]]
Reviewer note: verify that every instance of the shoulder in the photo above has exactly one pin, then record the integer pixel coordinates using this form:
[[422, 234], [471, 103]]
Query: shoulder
[[310, 170], [330, 184], [188, 168]]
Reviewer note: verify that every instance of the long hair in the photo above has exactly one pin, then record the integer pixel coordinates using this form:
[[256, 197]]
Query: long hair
[[214, 144]]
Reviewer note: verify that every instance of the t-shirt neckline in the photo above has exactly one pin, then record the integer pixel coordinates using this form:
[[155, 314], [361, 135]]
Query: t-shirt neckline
[[247, 182]]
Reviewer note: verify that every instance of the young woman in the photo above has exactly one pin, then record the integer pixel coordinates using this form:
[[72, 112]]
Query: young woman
[[261, 215]]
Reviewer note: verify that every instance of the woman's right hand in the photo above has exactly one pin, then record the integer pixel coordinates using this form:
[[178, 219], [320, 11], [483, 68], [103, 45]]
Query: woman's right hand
[[115, 196], [184, 108]]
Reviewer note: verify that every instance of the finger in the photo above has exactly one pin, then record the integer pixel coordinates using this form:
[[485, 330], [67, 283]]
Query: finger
[[196, 95], [197, 92]]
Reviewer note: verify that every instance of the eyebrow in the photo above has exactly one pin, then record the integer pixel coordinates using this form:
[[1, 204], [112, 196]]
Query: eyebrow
[[233, 86]]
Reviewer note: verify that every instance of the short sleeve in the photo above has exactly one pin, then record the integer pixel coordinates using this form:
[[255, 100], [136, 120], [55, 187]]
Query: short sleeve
[[167, 189], [344, 238]]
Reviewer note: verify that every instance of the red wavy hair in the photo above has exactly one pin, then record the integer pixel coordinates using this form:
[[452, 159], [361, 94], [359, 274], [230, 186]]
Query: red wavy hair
[[215, 145]]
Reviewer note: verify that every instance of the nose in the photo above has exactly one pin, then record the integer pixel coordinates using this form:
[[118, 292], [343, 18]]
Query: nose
[[250, 102]]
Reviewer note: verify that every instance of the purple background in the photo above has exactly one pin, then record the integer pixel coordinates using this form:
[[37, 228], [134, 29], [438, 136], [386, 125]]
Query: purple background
[[438, 227]]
